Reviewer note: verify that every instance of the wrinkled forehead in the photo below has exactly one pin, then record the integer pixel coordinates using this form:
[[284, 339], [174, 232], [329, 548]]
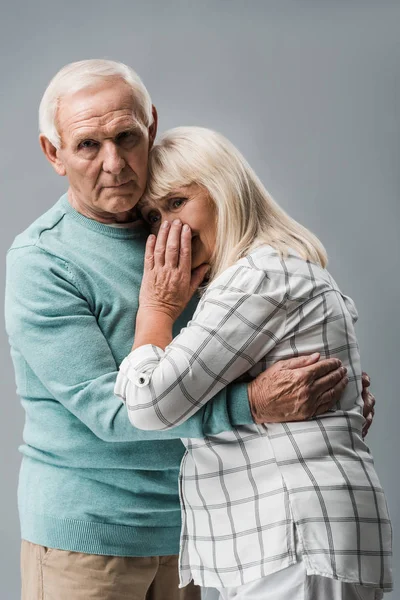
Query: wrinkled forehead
[[99, 106]]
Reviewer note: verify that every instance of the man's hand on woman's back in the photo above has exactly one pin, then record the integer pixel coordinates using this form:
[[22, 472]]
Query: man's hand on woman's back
[[297, 389]]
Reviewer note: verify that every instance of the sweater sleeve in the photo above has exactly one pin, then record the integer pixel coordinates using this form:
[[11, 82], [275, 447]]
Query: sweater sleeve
[[238, 321], [51, 325]]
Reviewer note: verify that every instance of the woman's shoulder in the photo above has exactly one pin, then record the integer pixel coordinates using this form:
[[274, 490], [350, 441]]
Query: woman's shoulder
[[253, 273], [300, 276], [276, 264], [266, 272], [240, 276]]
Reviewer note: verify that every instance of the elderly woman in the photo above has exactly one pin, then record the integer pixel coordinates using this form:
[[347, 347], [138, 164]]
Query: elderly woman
[[278, 511]]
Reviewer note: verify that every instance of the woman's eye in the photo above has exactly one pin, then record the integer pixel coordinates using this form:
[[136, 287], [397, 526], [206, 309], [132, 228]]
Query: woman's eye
[[153, 218], [177, 202]]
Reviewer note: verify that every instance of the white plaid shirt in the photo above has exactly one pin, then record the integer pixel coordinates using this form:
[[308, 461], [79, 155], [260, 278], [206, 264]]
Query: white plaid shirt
[[246, 491]]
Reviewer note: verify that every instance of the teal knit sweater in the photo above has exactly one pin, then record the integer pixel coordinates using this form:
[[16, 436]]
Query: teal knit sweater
[[89, 481]]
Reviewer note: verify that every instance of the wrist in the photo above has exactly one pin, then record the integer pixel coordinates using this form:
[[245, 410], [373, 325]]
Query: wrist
[[257, 406], [162, 315], [153, 327], [250, 394]]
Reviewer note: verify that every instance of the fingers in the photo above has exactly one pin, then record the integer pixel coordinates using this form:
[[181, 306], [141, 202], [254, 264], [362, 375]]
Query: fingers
[[368, 410], [323, 408], [322, 368], [369, 402], [366, 380], [173, 245], [149, 253], [300, 361], [159, 250], [325, 383], [332, 396], [185, 255], [367, 424]]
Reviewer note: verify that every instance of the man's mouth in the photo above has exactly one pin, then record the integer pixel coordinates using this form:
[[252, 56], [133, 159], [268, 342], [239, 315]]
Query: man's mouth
[[118, 185]]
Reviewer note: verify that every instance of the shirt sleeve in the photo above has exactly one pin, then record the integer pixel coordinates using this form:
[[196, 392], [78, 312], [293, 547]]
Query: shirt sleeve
[[51, 325], [238, 321]]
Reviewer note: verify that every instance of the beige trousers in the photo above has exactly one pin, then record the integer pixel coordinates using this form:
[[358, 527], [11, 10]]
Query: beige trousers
[[50, 574]]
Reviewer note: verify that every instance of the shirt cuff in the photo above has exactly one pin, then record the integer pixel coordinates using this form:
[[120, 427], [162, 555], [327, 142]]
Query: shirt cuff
[[136, 368], [238, 405]]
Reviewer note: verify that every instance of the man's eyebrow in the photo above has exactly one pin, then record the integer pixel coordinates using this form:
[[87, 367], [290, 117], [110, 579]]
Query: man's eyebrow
[[131, 128]]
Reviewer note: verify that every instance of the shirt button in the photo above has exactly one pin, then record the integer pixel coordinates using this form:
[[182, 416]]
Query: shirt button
[[142, 379]]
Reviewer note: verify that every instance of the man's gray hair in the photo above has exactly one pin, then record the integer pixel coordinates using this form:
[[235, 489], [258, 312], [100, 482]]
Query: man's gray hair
[[77, 76]]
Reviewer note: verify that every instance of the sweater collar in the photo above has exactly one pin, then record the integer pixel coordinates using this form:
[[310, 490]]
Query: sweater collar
[[138, 229]]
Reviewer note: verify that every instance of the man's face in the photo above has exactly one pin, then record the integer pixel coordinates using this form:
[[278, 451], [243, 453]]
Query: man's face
[[104, 151]]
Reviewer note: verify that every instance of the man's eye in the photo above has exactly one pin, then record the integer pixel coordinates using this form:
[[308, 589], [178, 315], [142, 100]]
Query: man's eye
[[128, 137], [87, 144]]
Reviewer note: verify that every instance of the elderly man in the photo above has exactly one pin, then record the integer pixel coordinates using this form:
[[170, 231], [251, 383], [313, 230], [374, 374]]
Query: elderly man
[[98, 500]]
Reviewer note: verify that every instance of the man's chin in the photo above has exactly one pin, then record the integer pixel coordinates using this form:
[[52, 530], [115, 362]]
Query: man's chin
[[121, 202]]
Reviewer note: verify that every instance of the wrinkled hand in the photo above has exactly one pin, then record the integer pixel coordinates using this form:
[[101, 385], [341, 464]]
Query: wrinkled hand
[[369, 403], [168, 282], [297, 389]]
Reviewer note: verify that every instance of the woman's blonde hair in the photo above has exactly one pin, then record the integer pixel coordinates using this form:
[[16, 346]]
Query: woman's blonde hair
[[247, 216]]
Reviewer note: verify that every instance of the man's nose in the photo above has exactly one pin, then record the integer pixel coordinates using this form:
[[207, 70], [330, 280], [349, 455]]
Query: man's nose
[[113, 161]]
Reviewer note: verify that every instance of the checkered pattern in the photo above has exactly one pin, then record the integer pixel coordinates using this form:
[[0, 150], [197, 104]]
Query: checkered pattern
[[245, 493]]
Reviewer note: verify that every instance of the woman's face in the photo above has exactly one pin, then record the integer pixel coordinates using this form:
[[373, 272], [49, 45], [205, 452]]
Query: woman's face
[[194, 207]]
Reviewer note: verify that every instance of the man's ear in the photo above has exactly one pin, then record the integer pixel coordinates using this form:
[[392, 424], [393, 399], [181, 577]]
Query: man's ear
[[153, 127], [51, 153]]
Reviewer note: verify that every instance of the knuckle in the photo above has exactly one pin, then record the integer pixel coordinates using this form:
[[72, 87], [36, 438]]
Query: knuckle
[[300, 377]]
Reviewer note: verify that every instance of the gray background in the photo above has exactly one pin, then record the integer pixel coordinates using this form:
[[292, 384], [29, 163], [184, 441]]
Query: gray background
[[309, 92]]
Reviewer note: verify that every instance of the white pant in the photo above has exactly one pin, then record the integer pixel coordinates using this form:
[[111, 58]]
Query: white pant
[[293, 583]]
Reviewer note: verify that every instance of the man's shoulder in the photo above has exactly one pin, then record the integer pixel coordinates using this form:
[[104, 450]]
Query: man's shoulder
[[47, 222]]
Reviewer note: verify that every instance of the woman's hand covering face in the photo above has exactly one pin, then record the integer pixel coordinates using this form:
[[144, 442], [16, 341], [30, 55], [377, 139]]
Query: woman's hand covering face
[[168, 281]]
